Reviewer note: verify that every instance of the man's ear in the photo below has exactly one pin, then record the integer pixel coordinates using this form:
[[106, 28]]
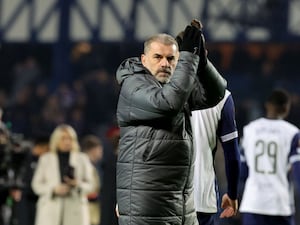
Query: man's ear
[[143, 59]]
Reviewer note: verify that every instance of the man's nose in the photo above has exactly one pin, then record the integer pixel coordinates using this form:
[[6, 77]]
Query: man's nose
[[164, 62]]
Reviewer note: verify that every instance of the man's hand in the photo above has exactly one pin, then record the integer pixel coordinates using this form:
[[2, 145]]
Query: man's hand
[[202, 48], [230, 207], [191, 40], [201, 51]]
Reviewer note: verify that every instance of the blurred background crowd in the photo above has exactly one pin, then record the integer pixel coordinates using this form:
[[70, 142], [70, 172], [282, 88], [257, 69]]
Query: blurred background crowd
[[70, 78]]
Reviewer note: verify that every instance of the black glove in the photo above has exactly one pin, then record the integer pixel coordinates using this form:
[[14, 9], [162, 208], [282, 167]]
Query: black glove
[[191, 40], [202, 52], [178, 38]]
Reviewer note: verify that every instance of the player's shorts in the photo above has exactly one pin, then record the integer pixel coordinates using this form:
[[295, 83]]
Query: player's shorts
[[254, 219]]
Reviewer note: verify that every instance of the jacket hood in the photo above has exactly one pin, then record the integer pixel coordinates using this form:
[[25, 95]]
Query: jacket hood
[[128, 68]]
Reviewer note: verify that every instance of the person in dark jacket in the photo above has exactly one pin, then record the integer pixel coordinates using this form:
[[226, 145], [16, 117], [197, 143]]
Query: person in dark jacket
[[155, 160], [29, 198]]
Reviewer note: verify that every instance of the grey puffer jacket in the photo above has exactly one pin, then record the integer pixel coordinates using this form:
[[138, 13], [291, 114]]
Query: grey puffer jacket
[[155, 161]]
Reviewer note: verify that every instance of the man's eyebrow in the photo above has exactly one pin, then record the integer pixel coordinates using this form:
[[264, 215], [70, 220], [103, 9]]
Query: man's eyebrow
[[156, 54], [159, 55], [171, 56]]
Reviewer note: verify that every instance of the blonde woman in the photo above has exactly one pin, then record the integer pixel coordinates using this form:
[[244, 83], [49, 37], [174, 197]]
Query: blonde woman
[[62, 180]]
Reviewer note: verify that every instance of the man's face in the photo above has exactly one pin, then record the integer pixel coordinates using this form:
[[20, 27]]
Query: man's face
[[161, 60]]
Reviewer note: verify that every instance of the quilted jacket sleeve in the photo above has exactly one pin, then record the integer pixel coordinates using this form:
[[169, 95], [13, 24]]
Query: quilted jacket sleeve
[[143, 98]]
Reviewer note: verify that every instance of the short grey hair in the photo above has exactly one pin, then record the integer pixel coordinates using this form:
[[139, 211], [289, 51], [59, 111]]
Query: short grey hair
[[163, 38]]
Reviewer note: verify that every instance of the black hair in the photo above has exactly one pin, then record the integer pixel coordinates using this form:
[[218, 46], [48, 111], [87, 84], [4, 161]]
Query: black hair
[[280, 98], [41, 140]]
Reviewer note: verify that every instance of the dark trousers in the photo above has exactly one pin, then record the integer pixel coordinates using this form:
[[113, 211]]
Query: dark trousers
[[205, 218]]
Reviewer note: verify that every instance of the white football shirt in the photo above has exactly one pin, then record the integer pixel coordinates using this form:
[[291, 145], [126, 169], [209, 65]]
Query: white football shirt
[[205, 124], [267, 151]]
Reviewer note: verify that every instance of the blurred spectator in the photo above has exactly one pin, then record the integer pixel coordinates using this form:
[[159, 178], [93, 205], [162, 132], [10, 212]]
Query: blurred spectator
[[51, 115], [76, 113], [76, 119], [79, 93], [2, 125], [65, 96], [3, 100], [13, 150], [25, 74], [19, 113], [62, 180], [92, 146], [101, 102], [4, 139], [39, 97], [29, 198]]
